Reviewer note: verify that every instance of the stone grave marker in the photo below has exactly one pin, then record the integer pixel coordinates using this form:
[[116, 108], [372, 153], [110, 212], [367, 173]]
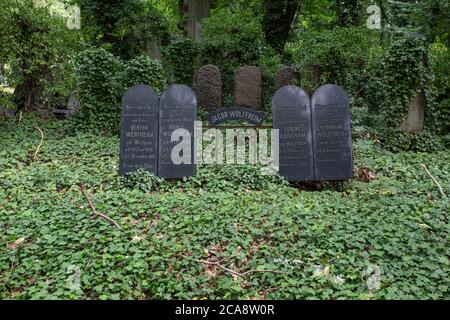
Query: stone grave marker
[[414, 121], [291, 114], [208, 88], [248, 87], [177, 110], [139, 130], [286, 76], [332, 138]]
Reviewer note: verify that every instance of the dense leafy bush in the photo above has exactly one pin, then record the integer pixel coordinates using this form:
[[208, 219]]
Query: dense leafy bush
[[232, 39], [229, 178], [103, 78], [398, 140], [36, 44], [63, 82], [143, 70], [181, 59], [99, 89], [438, 99], [345, 56], [5, 99], [269, 63], [143, 180], [128, 28], [403, 75], [403, 72], [233, 35]]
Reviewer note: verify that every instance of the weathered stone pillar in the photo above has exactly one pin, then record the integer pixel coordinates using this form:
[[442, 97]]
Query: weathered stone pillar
[[416, 114], [248, 87], [208, 87], [197, 10]]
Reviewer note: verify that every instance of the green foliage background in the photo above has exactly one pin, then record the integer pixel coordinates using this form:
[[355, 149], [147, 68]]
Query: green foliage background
[[99, 89], [39, 50], [102, 79]]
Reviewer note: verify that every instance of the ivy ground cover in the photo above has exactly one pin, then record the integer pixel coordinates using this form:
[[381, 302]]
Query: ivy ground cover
[[227, 233]]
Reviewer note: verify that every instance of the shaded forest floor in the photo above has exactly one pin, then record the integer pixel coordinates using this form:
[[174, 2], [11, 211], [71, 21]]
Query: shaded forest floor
[[227, 233]]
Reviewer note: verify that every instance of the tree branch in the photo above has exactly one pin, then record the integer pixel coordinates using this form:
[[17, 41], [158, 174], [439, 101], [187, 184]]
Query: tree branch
[[19, 118], [35, 155], [239, 274], [435, 181], [94, 211]]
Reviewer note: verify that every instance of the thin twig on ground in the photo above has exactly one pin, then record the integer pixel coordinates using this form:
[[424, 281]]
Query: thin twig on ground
[[441, 190], [19, 119], [240, 274], [94, 211], [35, 155]]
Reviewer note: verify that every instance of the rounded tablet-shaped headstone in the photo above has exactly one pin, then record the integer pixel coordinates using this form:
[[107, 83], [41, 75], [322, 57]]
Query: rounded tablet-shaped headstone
[[332, 136], [177, 115], [291, 115], [139, 130]]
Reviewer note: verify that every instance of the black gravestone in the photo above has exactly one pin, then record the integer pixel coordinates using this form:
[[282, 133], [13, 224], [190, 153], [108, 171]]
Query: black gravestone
[[332, 133], [177, 110], [291, 115], [139, 130]]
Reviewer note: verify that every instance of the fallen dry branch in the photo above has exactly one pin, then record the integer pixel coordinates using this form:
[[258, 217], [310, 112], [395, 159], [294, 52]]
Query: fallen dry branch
[[435, 181], [35, 155], [236, 273], [19, 119], [94, 211]]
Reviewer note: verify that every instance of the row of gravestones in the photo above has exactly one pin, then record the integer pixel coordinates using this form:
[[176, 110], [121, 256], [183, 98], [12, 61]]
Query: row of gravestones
[[315, 140], [146, 126], [247, 86], [314, 135]]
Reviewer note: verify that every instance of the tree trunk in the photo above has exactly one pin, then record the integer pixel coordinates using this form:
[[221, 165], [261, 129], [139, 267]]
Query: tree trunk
[[2, 73], [192, 12], [348, 12], [277, 21], [29, 94]]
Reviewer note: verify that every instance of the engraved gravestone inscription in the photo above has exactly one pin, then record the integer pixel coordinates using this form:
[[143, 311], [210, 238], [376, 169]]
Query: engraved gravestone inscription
[[332, 133], [139, 130], [177, 110], [208, 88], [292, 117]]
